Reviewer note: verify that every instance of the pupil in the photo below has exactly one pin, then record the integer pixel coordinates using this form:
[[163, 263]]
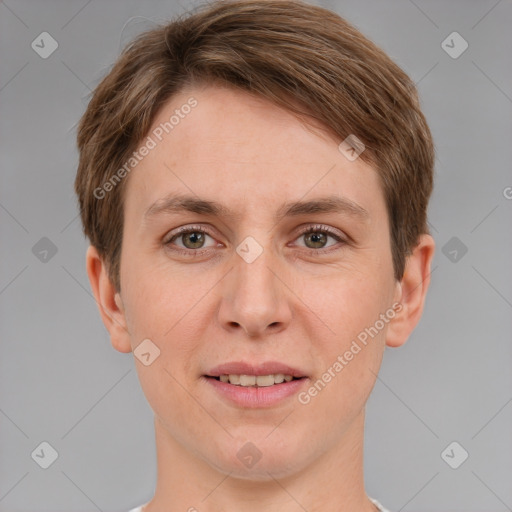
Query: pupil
[[195, 238], [316, 238]]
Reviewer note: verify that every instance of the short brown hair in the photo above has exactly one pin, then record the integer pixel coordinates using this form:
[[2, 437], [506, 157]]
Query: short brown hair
[[302, 57]]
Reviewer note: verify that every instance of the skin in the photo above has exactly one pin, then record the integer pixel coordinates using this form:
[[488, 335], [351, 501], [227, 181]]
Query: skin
[[293, 304]]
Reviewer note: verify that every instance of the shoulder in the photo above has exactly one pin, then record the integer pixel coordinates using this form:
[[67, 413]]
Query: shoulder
[[377, 504]]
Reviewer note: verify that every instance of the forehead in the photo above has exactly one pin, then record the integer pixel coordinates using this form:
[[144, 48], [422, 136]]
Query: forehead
[[244, 149]]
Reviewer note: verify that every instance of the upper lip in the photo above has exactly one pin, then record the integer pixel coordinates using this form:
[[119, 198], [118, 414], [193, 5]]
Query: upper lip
[[264, 368]]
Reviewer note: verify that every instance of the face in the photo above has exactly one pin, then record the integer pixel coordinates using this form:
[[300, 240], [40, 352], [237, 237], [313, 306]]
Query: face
[[260, 284]]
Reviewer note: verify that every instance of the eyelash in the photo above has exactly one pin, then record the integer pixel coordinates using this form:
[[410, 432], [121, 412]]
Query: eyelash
[[199, 252]]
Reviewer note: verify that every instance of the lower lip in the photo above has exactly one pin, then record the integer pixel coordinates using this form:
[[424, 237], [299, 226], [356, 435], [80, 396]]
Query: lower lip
[[254, 397]]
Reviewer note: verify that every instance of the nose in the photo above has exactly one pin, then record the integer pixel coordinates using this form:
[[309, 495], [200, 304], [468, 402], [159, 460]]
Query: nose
[[255, 297]]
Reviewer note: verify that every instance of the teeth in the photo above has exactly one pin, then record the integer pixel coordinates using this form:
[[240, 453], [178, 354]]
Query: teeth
[[253, 380], [234, 379], [265, 380], [247, 380]]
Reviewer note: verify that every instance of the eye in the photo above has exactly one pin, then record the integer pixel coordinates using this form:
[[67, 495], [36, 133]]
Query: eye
[[192, 237], [316, 237]]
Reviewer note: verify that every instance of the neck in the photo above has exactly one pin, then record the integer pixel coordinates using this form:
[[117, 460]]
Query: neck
[[333, 482]]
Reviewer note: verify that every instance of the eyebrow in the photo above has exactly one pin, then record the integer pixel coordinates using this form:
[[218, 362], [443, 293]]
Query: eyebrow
[[178, 203]]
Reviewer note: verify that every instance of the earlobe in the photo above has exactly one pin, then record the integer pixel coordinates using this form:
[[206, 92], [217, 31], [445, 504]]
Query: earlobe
[[412, 292], [108, 300]]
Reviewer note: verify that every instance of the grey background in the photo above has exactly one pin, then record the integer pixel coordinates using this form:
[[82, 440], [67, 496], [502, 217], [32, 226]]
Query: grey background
[[62, 382]]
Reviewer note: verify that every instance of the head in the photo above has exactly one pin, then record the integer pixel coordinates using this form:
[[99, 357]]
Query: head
[[294, 153]]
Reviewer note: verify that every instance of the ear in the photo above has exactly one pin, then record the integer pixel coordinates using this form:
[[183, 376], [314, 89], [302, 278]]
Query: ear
[[109, 301], [411, 292]]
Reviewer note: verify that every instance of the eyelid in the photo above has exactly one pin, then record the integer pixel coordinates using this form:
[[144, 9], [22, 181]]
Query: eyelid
[[324, 228], [187, 229], [305, 229]]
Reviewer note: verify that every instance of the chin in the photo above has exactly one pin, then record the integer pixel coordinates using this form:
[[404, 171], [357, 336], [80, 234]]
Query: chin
[[267, 457]]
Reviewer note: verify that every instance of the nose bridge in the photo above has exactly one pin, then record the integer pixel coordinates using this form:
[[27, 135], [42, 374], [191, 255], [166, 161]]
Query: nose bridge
[[255, 298], [255, 287], [254, 253]]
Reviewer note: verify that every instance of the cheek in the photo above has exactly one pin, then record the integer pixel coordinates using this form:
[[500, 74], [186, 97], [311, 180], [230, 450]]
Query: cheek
[[353, 346], [154, 297], [348, 300], [349, 358], [165, 306]]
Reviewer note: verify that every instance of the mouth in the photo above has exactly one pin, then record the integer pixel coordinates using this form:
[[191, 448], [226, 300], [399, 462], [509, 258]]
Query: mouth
[[254, 381], [266, 373], [256, 385]]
